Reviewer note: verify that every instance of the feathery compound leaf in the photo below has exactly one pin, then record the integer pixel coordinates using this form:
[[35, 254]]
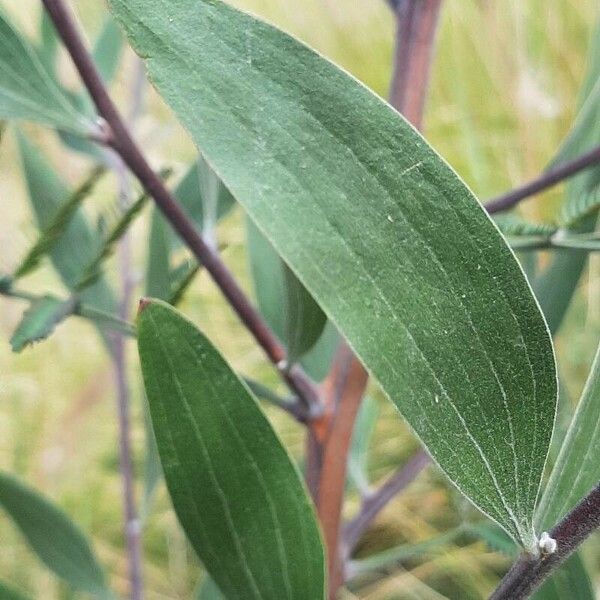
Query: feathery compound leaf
[[577, 468], [512, 224], [52, 535], [39, 321], [380, 231], [28, 91], [58, 224], [234, 488], [77, 246], [93, 270]]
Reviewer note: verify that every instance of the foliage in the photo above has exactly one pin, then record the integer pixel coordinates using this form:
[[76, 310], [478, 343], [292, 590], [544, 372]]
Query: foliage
[[362, 243]]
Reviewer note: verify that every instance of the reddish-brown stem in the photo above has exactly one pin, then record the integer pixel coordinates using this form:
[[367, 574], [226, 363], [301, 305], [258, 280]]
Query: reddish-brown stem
[[343, 391], [529, 572], [120, 140], [416, 30], [327, 455]]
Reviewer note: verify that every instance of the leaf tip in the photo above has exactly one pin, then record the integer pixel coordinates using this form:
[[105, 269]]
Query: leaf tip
[[144, 302]]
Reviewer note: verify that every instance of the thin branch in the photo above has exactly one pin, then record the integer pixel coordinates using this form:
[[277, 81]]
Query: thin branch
[[132, 524], [121, 141], [416, 29], [529, 572], [545, 181], [374, 503]]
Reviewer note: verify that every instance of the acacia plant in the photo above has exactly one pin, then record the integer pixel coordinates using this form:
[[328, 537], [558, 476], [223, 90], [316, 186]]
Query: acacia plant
[[370, 258]]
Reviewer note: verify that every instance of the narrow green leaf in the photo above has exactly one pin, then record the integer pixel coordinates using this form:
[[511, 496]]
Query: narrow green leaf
[[393, 556], [8, 593], [77, 246], [304, 321], [49, 45], [268, 278], [208, 590], [317, 361], [234, 488], [364, 428], [271, 291], [108, 49], [570, 581], [494, 537], [39, 321], [577, 468], [555, 286], [183, 283], [158, 271], [28, 91], [57, 224], [381, 232], [196, 192], [52, 535]]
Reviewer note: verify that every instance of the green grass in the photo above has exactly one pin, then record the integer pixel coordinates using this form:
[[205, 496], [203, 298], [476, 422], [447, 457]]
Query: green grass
[[503, 95]]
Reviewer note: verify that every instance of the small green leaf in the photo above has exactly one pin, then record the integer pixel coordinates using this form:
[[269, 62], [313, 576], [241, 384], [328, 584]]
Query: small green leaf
[[571, 582], [108, 49], [234, 488], [49, 45], [268, 279], [78, 245], [272, 289], [392, 557], [304, 321], [39, 321], [8, 593], [208, 590], [57, 224], [52, 535], [381, 232], [28, 91], [577, 468], [494, 537], [364, 428]]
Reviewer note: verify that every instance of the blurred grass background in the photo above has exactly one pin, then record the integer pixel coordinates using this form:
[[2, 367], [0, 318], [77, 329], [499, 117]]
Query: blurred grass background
[[503, 95]]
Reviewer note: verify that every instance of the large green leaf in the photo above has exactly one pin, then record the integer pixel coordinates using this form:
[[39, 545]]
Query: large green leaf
[[381, 232], [52, 535], [28, 90], [78, 245], [577, 468], [236, 491], [208, 590]]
